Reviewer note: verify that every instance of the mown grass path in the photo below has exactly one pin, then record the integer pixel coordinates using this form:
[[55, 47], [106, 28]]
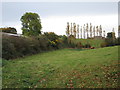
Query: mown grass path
[[66, 68]]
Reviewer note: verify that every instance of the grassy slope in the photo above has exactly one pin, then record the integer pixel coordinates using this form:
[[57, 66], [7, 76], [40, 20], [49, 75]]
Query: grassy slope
[[92, 42], [64, 68]]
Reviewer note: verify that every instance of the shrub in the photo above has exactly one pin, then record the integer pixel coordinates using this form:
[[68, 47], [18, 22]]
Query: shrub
[[71, 41], [51, 36], [13, 47], [110, 41], [8, 49], [43, 42], [64, 41], [117, 41], [87, 45], [103, 44], [79, 45]]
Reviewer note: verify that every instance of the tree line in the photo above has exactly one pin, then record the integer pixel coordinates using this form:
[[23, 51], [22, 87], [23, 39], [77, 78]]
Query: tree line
[[85, 31]]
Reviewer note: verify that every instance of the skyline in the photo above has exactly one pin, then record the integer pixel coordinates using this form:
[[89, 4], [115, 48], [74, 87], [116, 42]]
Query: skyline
[[55, 15]]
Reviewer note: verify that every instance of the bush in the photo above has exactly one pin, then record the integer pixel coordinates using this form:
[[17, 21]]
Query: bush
[[14, 47], [51, 36], [110, 41], [64, 41], [104, 44], [8, 49], [71, 41], [79, 45], [54, 40], [117, 41], [87, 45]]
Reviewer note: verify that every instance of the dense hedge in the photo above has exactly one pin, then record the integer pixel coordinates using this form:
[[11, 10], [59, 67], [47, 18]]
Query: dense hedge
[[14, 47], [111, 42]]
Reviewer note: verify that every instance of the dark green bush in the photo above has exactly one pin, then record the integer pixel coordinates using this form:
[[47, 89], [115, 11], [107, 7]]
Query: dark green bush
[[110, 41], [51, 36], [117, 41], [63, 41], [104, 44], [79, 45], [14, 47], [87, 45], [8, 48], [72, 41], [54, 41]]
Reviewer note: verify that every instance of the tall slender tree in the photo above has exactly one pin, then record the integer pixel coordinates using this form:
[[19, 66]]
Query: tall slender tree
[[78, 31], [81, 32], [67, 32], [100, 30], [67, 29], [84, 30], [74, 30], [71, 29], [104, 33], [97, 30], [94, 31], [90, 30], [87, 29]]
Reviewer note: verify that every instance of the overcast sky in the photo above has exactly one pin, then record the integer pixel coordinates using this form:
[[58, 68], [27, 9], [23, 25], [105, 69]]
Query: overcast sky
[[55, 15]]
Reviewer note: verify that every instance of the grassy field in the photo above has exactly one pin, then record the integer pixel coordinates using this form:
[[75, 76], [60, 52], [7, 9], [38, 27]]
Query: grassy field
[[66, 68], [93, 42]]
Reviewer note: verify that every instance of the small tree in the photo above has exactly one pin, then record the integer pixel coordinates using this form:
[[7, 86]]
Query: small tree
[[31, 24]]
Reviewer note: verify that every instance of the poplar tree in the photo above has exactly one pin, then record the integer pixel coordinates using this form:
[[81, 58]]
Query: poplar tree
[[74, 30], [104, 33], [81, 32], [94, 31], [100, 30], [87, 29], [78, 31], [71, 30], [97, 30], [90, 30], [67, 29], [84, 30]]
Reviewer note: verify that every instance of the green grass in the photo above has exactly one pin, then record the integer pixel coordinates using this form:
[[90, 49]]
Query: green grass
[[93, 42], [66, 68]]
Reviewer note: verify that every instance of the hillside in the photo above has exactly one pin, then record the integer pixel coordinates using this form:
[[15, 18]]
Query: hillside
[[66, 68], [93, 42]]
